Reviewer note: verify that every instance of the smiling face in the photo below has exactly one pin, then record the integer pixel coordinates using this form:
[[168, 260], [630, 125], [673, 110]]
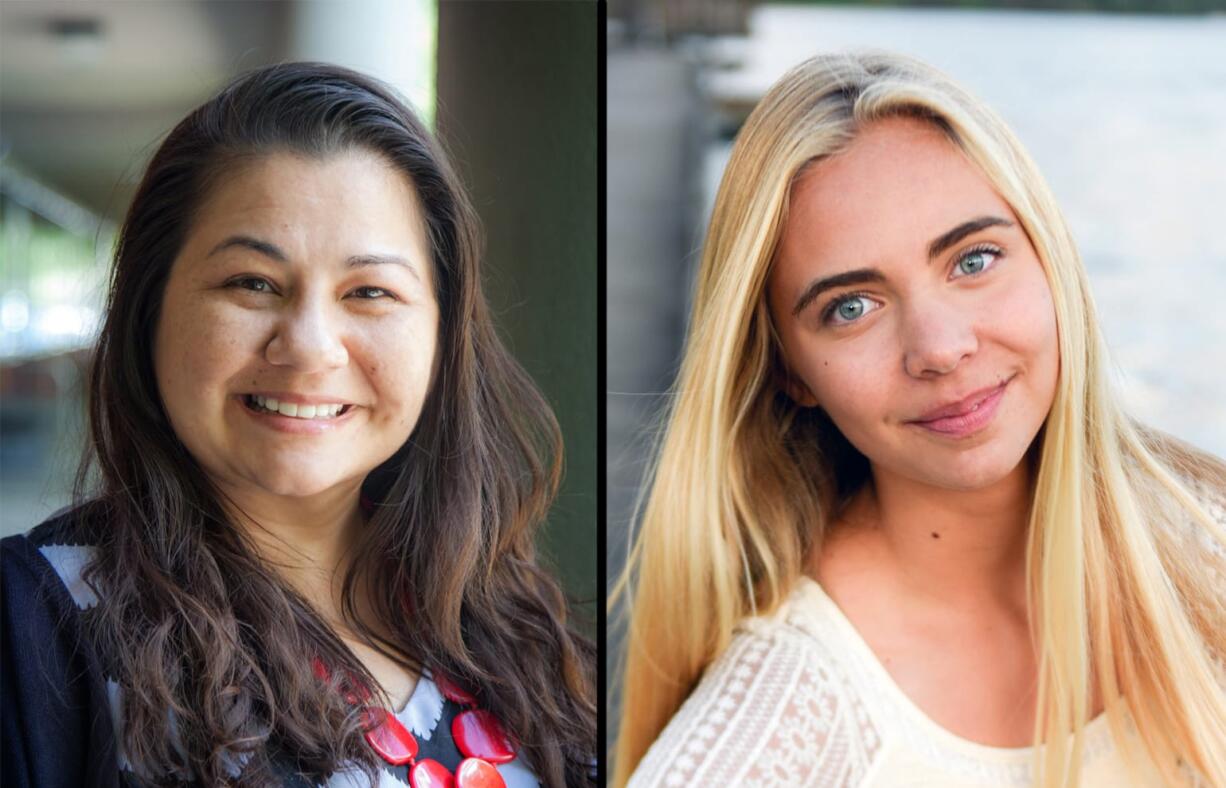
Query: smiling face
[[309, 282], [903, 283]]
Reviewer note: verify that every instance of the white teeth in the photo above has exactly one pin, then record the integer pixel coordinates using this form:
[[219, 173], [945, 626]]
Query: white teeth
[[298, 411]]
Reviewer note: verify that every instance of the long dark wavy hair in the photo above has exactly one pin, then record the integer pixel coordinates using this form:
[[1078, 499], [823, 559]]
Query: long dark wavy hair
[[197, 626]]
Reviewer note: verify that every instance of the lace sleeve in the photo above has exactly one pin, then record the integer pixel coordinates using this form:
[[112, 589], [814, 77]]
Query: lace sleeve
[[768, 712]]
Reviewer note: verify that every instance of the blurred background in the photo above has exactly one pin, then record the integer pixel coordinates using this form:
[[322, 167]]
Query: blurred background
[[1121, 102], [89, 89]]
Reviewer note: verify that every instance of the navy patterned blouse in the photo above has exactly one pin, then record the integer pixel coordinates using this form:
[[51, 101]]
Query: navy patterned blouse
[[61, 709]]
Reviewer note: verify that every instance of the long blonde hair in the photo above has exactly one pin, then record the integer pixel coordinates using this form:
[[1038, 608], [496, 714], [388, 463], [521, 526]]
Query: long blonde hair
[[745, 482]]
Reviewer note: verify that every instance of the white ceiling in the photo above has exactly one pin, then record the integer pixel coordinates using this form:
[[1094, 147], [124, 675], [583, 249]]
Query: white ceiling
[[82, 112]]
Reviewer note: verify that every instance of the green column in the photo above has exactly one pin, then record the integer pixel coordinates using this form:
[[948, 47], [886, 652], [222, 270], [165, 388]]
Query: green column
[[517, 106]]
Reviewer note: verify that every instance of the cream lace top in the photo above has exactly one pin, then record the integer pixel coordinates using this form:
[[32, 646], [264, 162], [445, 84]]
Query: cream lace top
[[799, 699]]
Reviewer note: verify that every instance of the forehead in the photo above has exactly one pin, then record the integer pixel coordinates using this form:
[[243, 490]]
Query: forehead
[[352, 194], [899, 184]]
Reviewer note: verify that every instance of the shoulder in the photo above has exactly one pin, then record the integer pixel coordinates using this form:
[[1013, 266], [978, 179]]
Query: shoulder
[[773, 709], [1201, 528], [50, 559], [1203, 473], [80, 525], [56, 713], [44, 579]]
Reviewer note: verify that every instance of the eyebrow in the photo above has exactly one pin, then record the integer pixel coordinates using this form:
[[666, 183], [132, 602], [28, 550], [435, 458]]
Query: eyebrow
[[866, 275], [274, 252]]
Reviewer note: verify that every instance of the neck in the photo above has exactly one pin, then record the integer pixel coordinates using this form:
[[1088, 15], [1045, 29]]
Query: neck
[[958, 548], [306, 540]]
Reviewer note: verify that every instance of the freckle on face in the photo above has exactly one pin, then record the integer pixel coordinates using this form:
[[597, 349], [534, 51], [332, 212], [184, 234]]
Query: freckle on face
[[210, 336], [878, 203]]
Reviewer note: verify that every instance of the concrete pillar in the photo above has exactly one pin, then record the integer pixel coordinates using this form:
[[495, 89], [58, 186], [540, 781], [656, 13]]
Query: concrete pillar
[[393, 40], [517, 105]]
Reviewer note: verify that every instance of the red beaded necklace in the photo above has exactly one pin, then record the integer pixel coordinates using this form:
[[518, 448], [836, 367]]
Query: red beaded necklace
[[478, 735]]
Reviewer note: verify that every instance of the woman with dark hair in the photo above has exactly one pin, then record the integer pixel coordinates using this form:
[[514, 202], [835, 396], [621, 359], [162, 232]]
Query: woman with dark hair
[[303, 551]]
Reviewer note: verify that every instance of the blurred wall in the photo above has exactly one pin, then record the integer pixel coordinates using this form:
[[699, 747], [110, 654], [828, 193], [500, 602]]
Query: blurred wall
[[517, 97]]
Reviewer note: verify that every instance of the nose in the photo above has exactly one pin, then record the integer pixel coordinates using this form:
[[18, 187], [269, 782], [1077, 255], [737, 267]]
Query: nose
[[937, 336], [308, 338]]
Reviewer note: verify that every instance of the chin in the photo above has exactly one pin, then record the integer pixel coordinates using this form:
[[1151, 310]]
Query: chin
[[296, 485], [969, 484], [976, 474]]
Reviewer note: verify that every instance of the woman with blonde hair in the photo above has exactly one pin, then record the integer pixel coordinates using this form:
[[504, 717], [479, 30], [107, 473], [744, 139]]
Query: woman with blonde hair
[[899, 529]]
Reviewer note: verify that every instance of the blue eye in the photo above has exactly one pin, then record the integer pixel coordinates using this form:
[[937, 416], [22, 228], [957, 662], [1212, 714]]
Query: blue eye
[[977, 260], [851, 307], [848, 309]]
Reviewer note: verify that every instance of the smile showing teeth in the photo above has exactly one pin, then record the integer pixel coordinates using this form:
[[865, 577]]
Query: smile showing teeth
[[294, 410]]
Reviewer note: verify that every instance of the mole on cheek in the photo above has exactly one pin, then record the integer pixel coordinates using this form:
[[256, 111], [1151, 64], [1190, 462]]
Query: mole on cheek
[[374, 368], [936, 535]]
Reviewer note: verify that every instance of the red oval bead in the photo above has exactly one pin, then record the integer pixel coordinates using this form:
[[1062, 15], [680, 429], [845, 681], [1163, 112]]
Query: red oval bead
[[478, 734], [356, 693], [394, 743], [452, 691], [430, 774], [476, 773]]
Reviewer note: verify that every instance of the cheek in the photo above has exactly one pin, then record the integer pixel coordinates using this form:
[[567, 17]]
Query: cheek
[[398, 361], [859, 406], [200, 346], [848, 379], [1030, 313]]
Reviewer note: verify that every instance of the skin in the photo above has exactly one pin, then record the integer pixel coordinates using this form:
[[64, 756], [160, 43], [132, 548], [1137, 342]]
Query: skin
[[932, 551], [236, 321]]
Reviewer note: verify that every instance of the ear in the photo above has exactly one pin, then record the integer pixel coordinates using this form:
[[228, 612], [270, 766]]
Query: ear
[[794, 387]]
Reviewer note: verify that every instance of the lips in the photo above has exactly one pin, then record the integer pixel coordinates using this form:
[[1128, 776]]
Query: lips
[[301, 399], [296, 424], [962, 406]]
